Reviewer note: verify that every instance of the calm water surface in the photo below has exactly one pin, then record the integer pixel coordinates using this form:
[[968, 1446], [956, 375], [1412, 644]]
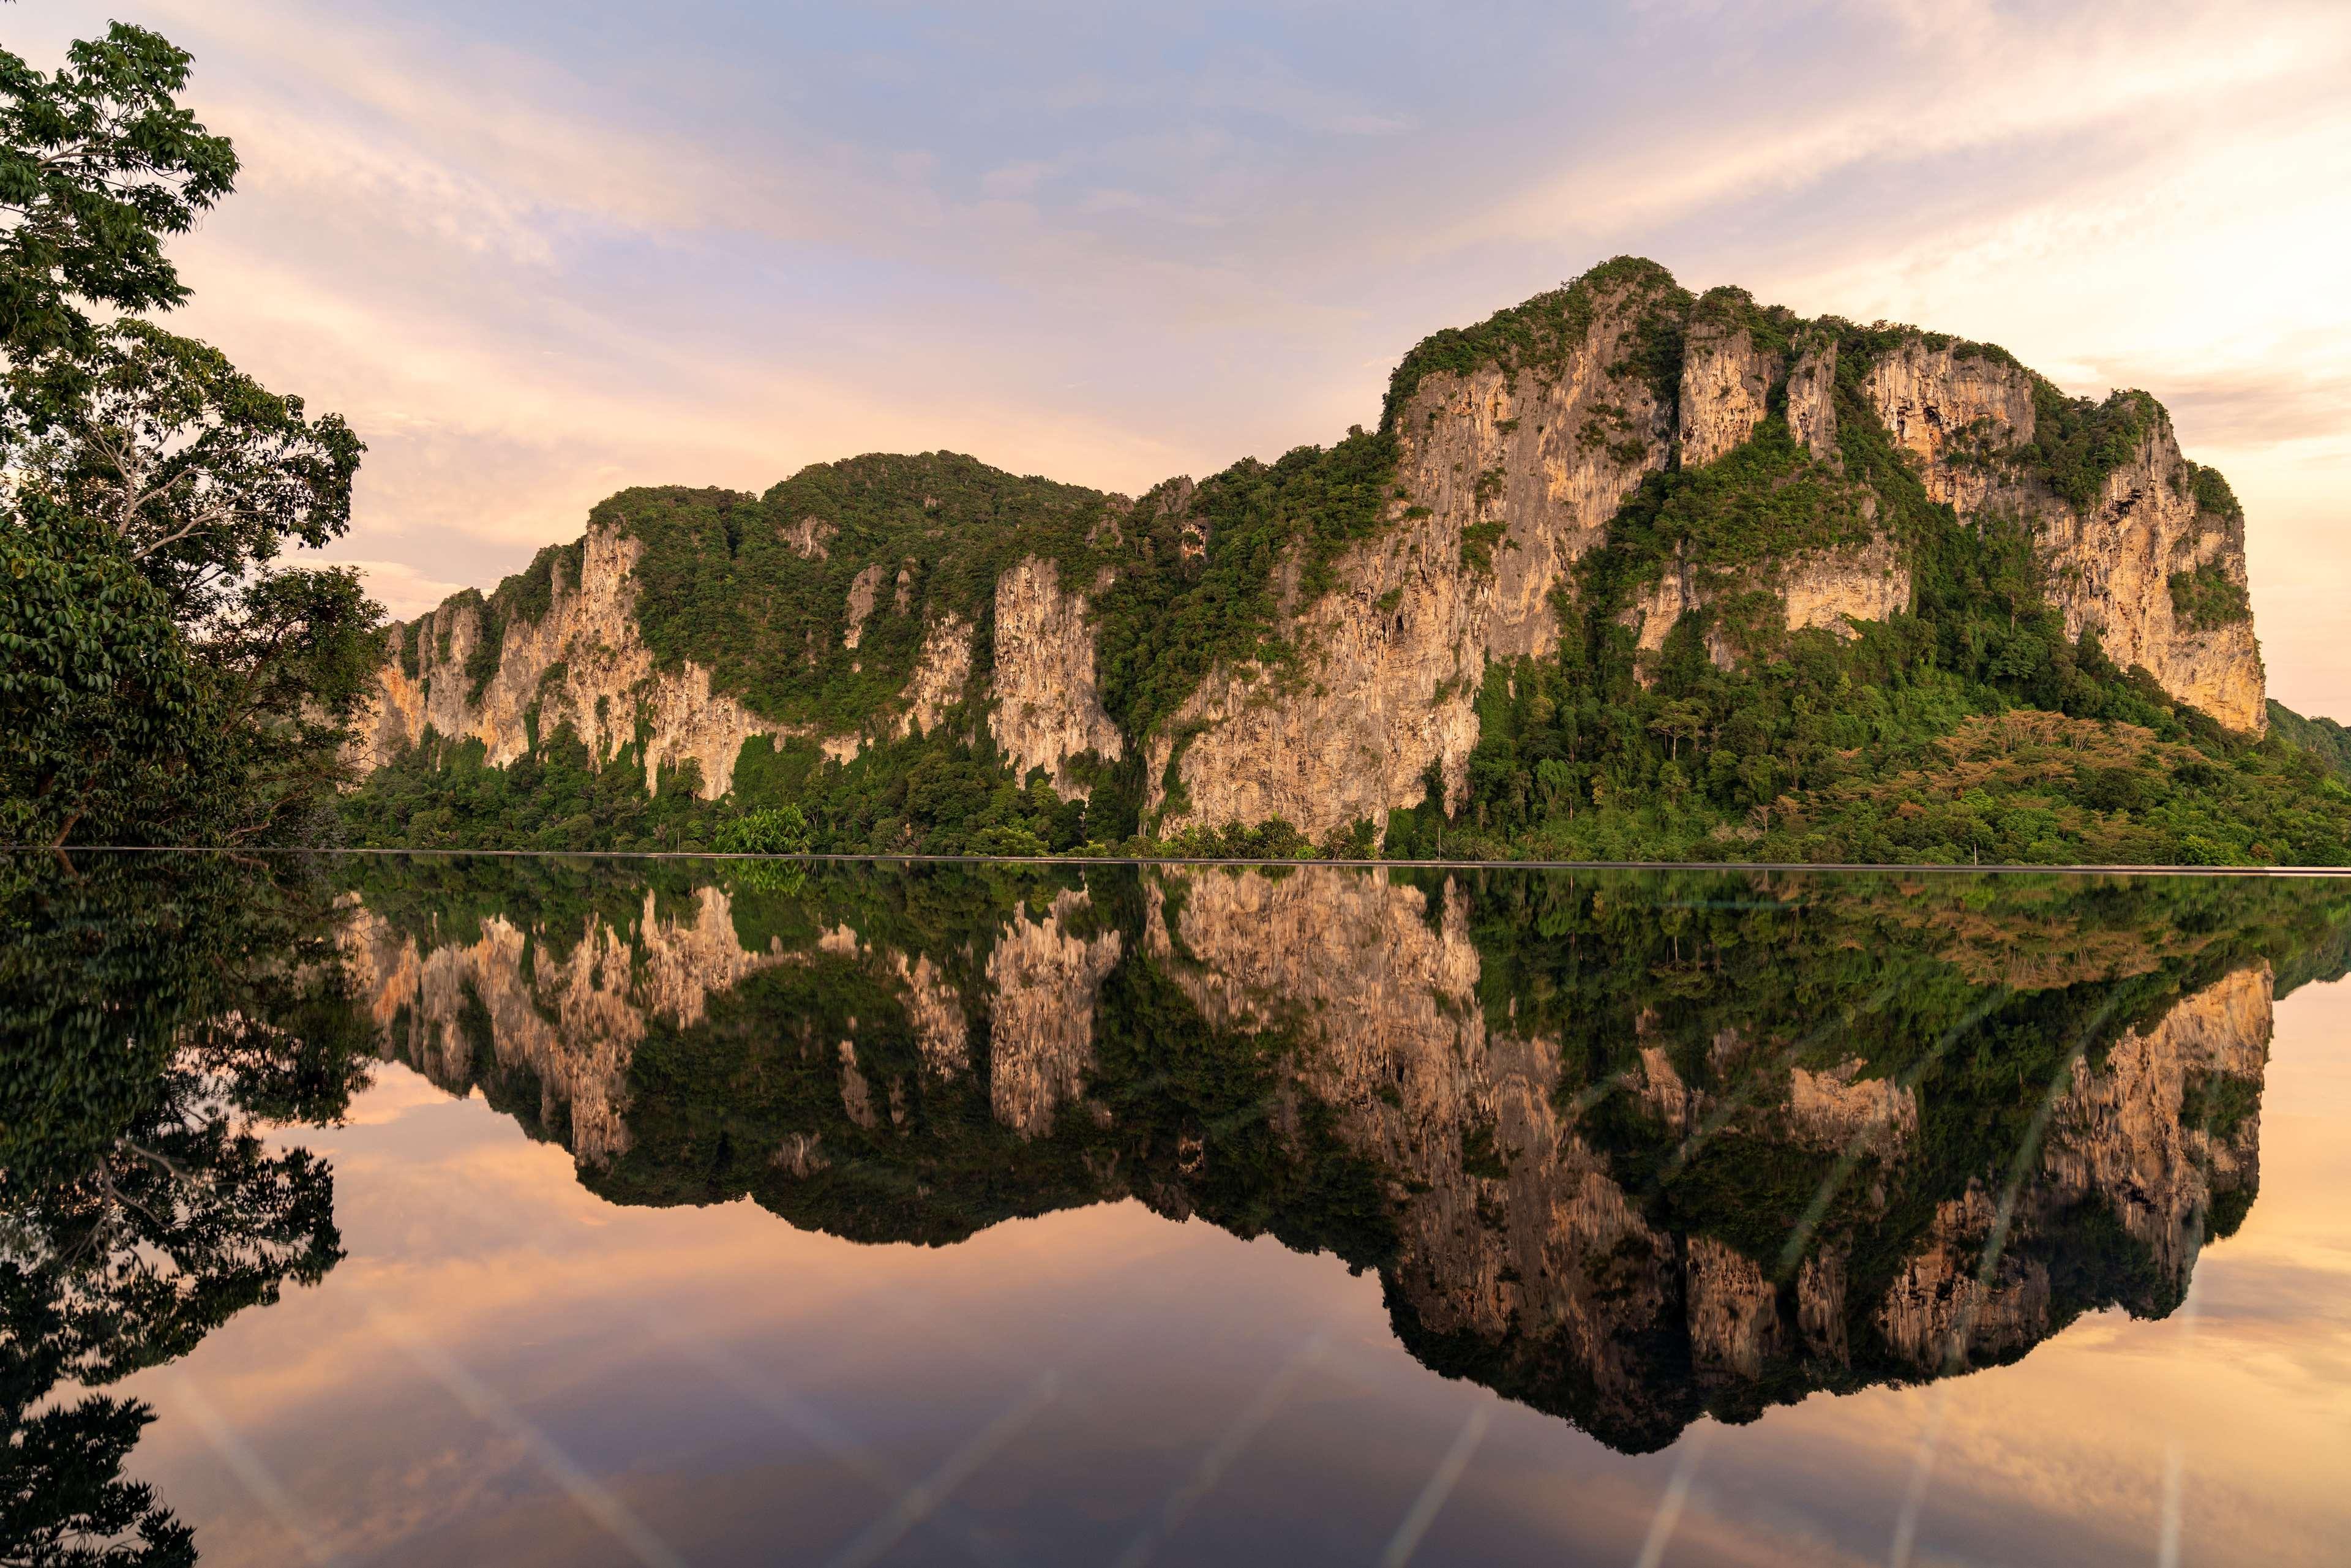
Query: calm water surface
[[505, 1211]]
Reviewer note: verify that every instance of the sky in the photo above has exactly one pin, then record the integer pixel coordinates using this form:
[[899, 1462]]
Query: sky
[[537, 252]]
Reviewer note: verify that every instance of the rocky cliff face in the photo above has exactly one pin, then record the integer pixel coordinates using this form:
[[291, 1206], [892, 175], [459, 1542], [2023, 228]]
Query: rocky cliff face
[[583, 663], [1393, 657], [1964, 414], [1513, 460], [1047, 708]]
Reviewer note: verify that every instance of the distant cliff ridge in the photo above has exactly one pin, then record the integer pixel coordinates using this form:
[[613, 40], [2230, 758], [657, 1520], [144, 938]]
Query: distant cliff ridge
[[1616, 499]]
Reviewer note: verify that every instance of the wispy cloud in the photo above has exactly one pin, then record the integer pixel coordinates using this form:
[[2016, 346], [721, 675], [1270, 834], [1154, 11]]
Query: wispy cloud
[[538, 257]]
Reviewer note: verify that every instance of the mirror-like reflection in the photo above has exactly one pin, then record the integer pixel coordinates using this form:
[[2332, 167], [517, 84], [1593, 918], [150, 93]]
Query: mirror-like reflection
[[158, 1014], [1630, 1149], [1625, 1148]]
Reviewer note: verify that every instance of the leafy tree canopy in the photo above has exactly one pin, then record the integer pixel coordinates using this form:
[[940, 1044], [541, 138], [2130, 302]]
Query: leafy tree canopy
[[98, 163], [167, 680]]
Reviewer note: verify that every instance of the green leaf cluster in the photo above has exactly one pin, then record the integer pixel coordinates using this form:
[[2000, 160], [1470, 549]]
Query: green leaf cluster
[[2204, 598]]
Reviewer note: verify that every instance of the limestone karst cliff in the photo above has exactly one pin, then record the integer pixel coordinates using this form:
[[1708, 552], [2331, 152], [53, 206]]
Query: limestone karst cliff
[[1629, 1151], [1554, 503]]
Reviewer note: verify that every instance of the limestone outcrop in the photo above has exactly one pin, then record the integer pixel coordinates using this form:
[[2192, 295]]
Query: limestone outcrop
[[2111, 568], [940, 675], [1393, 656], [1047, 709], [582, 663], [1965, 413], [1507, 461], [1726, 385]]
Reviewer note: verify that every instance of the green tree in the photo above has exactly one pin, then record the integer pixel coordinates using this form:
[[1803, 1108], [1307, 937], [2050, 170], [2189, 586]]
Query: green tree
[[102, 712], [98, 163], [773, 831], [166, 679], [201, 474]]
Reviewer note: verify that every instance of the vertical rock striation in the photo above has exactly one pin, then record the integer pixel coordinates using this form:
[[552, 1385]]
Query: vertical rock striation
[[1047, 709], [1392, 658]]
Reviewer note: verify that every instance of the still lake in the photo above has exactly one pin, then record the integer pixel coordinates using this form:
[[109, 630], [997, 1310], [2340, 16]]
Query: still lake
[[471, 1209]]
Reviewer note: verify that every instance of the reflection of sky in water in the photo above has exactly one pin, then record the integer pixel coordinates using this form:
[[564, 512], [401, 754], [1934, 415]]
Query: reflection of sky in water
[[508, 1369]]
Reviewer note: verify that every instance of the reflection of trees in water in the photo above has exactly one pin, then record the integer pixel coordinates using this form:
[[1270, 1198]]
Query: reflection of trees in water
[[1630, 1149], [1627, 1149], [160, 1013]]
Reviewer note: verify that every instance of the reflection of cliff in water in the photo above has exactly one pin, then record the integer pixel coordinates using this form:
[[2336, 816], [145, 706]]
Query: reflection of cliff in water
[[1626, 1148]]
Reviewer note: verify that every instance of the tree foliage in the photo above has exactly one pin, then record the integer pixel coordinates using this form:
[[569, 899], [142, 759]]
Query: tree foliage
[[201, 474], [168, 680], [98, 163]]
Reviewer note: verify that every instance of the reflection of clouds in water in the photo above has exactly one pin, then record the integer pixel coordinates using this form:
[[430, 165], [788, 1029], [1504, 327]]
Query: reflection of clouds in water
[[2076, 1431], [595, 1500], [259, 1481], [974, 1383]]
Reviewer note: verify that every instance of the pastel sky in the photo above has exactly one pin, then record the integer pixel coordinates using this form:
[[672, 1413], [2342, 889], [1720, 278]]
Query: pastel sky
[[541, 249]]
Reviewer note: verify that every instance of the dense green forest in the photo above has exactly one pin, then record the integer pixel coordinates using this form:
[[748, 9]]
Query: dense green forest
[[2320, 738]]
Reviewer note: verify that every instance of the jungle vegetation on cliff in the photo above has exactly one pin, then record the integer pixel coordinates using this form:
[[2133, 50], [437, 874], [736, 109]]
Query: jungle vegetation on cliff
[[1979, 722]]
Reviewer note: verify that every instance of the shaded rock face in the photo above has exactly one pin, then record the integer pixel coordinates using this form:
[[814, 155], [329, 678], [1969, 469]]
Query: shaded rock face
[[1930, 400], [2109, 563], [1726, 382], [940, 675], [863, 588], [1835, 1109], [1812, 397], [1830, 589], [811, 538]]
